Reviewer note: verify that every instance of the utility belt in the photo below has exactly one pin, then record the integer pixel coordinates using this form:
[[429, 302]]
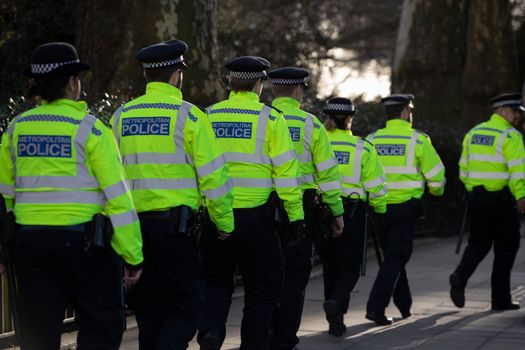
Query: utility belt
[[98, 231], [481, 194], [182, 220]]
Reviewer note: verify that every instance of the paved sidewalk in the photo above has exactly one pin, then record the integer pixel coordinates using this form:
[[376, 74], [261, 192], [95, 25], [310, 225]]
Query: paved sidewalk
[[435, 324]]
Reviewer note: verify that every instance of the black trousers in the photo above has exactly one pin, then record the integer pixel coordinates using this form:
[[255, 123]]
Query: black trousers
[[396, 234], [168, 297], [54, 270], [342, 257], [297, 268], [494, 224], [254, 247]]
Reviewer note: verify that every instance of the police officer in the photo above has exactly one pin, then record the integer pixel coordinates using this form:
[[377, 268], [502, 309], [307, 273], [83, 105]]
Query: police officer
[[59, 167], [318, 169], [491, 168], [362, 181], [261, 157], [409, 160], [171, 156]]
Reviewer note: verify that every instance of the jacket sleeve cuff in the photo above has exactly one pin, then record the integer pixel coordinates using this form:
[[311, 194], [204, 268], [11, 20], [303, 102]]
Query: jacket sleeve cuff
[[134, 267]]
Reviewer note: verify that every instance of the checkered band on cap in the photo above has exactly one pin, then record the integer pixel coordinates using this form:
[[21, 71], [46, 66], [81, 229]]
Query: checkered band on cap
[[279, 81], [43, 68], [247, 75], [504, 103], [394, 102], [163, 63], [339, 107]]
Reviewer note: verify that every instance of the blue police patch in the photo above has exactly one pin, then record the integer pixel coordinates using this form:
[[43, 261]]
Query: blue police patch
[[145, 126], [342, 157], [391, 150], [44, 146], [232, 130], [295, 133], [483, 140]]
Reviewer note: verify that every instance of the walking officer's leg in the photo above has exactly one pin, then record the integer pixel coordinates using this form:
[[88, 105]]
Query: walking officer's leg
[[219, 260], [506, 245], [261, 264]]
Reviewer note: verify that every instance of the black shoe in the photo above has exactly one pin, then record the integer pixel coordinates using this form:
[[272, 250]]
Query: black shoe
[[505, 307], [210, 341], [335, 318], [406, 314], [379, 319], [457, 290]]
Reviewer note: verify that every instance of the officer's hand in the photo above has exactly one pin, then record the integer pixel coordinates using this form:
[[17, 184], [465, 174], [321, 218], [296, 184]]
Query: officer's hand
[[296, 233], [224, 235], [521, 205], [131, 276], [337, 226], [2, 268]]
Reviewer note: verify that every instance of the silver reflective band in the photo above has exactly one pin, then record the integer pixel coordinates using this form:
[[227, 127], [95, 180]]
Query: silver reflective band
[[220, 191], [163, 63], [515, 162], [249, 182], [288, 182], [517, 176], [348, 179], [116, 121], [436, 184], [406, 185], [56, 182], [431, 173], [381, 193], [116, 190], [42, 68], [126, 218], [348, 191], [400, 170], [486, 158], [282, 81], [305, 157], [327, 164], [486, 175], [374, 183], [8, 190], [163, 184], [156, 158], [283, 158], [307, 179], [60, 197], [211, 166], [247, 158], [507, 103], [329, 186]]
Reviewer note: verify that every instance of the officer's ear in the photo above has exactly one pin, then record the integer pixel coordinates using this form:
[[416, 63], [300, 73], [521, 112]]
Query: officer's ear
[[73, 88]]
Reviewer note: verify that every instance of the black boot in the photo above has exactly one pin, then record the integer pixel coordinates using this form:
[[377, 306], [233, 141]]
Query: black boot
[[457, 290], [335, 318]]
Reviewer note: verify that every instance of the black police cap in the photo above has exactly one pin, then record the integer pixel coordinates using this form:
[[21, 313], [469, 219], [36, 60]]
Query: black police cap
[[339, 106], [55, 59], [289, 76], [399, 99], [513, 100], [164, 54], [248, 67]]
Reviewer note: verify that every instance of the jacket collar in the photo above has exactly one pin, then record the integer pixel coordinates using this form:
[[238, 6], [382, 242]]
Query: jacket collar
[[250, 95], [163, 88], [80, 106], [398, 123], [290, 101]]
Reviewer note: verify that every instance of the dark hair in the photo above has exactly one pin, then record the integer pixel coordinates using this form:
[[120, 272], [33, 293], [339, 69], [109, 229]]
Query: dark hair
[[338, 121], [283, 90], [394, 111], [242, 84], [162, 75], [49, 88]]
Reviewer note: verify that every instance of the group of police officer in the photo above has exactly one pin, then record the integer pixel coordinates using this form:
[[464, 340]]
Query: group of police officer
[[265, 174]]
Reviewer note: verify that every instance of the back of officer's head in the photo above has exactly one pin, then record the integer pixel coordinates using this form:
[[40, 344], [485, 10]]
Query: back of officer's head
[[237, 84], [340, 111], [55, 68], [161, 75], [394, 111]]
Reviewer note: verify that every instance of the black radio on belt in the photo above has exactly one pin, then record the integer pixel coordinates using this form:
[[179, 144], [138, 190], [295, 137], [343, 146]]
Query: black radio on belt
[[99, 231], [180, 221]]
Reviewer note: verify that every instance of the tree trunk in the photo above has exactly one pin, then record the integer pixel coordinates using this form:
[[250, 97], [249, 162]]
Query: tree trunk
[[133, 24], [491, 65]]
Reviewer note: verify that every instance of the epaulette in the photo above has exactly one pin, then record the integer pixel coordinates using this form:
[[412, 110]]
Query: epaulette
[[364, 139], [277, 109], [422, 133]]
